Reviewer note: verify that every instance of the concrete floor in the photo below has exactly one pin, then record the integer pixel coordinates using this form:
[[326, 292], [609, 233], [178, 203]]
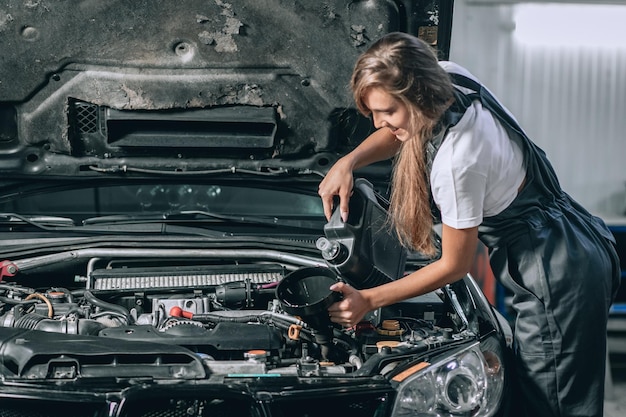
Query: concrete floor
[[615, 398]]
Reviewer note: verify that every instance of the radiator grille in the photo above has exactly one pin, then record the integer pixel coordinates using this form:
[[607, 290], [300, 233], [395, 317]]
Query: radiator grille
[[357, 405], [33, 408], [351, 405], [191, 408]]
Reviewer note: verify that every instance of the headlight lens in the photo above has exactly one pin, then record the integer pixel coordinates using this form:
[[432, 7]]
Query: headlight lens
[[467, 383]]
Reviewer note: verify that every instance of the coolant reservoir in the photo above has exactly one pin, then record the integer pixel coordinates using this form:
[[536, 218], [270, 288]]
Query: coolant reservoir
[[364, 251]]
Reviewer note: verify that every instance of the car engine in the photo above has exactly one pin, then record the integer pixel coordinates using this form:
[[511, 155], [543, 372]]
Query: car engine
[[244, 309], [228, 314]]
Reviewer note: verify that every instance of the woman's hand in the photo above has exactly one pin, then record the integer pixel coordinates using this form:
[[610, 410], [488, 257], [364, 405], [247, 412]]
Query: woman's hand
[[337, 182], [380, 145], [351, 309]]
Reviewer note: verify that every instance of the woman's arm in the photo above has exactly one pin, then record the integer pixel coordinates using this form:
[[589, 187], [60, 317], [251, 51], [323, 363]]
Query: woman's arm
[[457, 255], [379, 146]]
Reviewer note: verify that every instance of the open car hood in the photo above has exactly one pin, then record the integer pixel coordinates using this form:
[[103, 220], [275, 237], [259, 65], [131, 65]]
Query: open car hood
[[100, 86]]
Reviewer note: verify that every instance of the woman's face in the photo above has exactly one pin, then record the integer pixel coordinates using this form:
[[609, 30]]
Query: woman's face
[[388, 112]]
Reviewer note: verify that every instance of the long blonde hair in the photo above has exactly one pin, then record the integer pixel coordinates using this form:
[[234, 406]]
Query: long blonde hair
[[407, 68]]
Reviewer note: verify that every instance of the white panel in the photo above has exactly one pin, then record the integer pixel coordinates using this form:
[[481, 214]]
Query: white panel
[[571, 99]]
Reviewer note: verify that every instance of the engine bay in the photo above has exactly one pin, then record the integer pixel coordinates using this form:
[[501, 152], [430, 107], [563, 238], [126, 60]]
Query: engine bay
[[228, 314], [243, 307]]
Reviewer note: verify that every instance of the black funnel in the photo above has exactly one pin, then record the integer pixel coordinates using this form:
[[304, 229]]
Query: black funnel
[[305, 293]]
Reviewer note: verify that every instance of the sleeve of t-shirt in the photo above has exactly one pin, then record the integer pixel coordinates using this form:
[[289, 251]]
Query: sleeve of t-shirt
[[459, 195]]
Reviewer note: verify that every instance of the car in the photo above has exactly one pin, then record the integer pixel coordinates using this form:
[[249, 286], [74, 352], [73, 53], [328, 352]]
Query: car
[[163, 248]]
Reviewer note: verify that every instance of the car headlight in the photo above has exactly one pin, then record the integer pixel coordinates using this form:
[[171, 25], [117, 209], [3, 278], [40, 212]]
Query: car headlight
[[468, 382]]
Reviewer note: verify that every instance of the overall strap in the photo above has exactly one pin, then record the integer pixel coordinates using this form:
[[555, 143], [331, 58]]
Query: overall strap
[[537, 163], [487, 99]]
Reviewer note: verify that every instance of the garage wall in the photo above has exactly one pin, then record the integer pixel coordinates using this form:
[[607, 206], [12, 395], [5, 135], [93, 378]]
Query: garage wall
[[565, 81]]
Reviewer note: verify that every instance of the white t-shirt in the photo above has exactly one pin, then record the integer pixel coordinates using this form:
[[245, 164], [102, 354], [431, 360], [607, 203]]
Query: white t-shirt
[[478, 169]]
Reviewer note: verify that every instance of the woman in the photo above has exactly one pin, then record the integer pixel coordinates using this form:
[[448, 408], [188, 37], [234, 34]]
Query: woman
[[452, 141]]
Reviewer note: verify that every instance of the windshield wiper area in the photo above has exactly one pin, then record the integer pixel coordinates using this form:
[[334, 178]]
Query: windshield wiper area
[[205, 216], [41, 222], [264, 171]]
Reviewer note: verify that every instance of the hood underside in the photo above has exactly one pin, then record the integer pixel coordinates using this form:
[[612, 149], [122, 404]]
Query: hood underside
[[189, 84]]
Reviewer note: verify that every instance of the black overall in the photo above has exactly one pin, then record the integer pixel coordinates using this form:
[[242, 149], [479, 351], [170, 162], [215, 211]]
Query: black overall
[[560, 264]]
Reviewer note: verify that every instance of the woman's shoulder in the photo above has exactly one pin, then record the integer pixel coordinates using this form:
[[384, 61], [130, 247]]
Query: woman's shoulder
[[475, 137], [453, 68], [475, 122]]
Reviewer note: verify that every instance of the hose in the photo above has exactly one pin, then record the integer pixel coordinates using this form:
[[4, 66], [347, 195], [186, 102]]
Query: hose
[[45, 300], [107, 306]]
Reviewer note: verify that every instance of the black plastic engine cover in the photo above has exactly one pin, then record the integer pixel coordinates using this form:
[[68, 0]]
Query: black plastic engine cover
[[224, 337]]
